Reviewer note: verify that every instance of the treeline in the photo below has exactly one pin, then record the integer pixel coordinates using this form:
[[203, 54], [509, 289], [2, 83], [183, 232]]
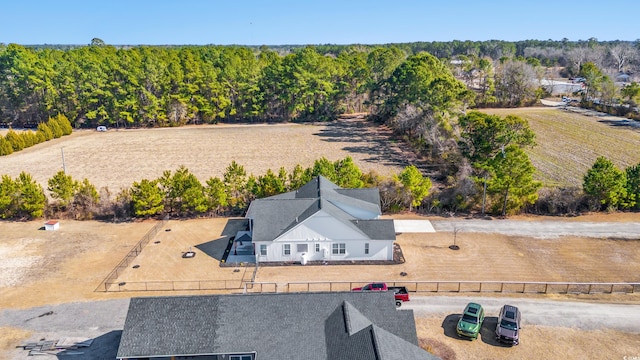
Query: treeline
[[506, 179], [156, 86], [170, 86], [181, 194], [54, 128]]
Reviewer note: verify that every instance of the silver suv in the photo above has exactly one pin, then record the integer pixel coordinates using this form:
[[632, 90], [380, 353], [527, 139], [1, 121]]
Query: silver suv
[[508, 328]]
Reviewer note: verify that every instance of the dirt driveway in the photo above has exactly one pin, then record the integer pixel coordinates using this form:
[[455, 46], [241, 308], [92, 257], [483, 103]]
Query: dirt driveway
[[42, 268]]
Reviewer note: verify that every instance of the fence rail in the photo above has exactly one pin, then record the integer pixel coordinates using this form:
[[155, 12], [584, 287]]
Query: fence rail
[[135, 251], [452, 286], [187, 285]]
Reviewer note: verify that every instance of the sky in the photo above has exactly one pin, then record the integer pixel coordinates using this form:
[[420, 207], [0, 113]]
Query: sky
[[306, 22]]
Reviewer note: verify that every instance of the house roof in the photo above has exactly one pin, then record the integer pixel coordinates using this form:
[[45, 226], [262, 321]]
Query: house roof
[[275, 215], [338, 325]]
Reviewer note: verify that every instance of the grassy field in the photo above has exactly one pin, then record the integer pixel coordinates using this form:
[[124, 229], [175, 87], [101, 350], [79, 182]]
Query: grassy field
[[117, 158], [568, 143]]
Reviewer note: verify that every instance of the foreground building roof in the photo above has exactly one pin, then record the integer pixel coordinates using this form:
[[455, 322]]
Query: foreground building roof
[[339, 325]]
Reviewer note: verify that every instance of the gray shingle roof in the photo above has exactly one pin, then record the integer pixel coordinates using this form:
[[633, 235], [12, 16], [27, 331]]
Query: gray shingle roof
[[277, 214], [271, 217], [377, 229], [340, 325]]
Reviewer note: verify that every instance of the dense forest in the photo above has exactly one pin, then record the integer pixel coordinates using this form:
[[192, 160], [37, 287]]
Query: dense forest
[[423, 91], [126, 86]]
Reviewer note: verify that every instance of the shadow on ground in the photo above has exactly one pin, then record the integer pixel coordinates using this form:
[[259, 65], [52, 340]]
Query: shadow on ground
[[102, 348], [487, 332], [380, 147], [449, 326], [215, 248]]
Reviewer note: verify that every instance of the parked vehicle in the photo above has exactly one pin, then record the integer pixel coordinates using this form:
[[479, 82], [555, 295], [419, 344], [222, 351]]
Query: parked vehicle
[[508, 328], [471, 320], [101, 128], [400, 292]]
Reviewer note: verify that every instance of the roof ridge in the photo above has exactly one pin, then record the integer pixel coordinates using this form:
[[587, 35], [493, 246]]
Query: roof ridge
[[354, 320]]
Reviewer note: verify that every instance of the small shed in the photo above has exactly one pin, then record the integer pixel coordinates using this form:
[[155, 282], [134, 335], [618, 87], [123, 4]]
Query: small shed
[[52, 225]]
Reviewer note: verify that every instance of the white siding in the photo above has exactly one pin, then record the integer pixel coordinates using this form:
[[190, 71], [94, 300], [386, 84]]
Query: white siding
[[323, 229], [378, 250], [322, 226]]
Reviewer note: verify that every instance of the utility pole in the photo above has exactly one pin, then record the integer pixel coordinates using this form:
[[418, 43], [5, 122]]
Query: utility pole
[[64, 168]]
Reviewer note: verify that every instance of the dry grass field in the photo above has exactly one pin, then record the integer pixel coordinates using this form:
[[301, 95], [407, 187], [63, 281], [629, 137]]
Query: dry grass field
[[117, 158], [50, 267], [568, 143]]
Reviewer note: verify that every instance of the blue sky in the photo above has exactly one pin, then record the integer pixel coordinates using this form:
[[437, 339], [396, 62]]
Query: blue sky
[[280, 22]]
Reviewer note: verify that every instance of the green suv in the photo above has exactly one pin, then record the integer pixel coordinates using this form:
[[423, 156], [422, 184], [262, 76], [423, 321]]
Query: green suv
[[471, 321]]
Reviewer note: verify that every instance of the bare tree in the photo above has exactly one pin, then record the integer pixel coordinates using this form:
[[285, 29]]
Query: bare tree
[[622, 55], [578, 56], [598, 54], [515, 83]]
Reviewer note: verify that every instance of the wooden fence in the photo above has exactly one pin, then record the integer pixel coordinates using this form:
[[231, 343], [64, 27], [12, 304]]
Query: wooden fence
[[451, 286]]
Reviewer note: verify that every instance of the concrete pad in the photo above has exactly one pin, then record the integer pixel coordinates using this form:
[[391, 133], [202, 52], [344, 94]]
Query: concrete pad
[[413, 226]]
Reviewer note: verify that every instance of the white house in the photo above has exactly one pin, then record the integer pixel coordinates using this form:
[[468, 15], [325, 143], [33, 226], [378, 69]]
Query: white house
[[321, 222]]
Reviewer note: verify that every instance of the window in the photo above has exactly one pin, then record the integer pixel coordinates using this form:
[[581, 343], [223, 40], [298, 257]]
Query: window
[[263, 249], [317, 247], [339, 249], [286, 249], [240, 357], [302, 248], [366, 248]]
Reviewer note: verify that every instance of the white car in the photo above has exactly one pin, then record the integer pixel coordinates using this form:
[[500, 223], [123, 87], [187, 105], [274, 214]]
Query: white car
[[101, 128]]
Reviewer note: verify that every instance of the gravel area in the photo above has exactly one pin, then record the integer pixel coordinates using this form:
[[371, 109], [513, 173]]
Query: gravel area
[[542, 229], [101, 321]]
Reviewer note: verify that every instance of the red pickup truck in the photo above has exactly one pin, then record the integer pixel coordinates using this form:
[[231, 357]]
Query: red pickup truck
[[400, 292]]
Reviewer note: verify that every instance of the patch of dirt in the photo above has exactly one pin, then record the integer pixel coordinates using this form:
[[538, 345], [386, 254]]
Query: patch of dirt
[[11, 336]]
